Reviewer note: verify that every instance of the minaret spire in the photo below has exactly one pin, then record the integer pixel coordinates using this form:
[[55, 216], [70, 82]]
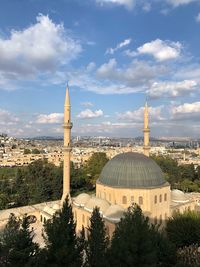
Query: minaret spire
[[67, 146], [146, 130]]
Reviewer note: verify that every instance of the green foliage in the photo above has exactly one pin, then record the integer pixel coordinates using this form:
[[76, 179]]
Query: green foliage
[[61, 240], [35, 151], [132, 243], [27, 151], [17, 246], [169, 167], [97, 243], [95, 165], [184, 229], [189, 256], [183, 177]]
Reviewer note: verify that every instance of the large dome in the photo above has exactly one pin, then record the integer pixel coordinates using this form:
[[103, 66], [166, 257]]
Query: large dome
[[131, 170]]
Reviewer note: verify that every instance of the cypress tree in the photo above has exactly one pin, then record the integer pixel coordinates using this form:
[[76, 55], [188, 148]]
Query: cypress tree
[[132, 242], [97, 243], [61, 241], [17, 246]]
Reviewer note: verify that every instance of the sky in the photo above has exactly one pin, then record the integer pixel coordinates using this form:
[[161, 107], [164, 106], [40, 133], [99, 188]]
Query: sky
[[114, 54]]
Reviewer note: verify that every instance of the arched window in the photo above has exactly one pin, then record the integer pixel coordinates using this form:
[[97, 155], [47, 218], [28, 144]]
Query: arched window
[[165, 197], [41, 218], [132, 199], [83, 218], [155, 200], [44, 220], [124, 200], [140, 200], [160, 198]]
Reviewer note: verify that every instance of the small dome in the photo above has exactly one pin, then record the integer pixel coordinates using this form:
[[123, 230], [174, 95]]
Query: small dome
[[132, 170], [114, 213], [102, 204], [49, 210], [82, 199], [178, 196], [46, 209], [56, 207]]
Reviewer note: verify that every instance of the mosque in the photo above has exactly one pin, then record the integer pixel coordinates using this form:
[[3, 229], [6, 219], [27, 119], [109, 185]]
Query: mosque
[[125, 179]]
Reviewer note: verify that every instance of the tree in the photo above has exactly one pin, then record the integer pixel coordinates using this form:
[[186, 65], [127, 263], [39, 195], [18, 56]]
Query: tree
[[132, 243], [27, 151], [189, 256], [184, 229], [95, 165], [97, 243], [170, 167], [17, 246], [61, 241]]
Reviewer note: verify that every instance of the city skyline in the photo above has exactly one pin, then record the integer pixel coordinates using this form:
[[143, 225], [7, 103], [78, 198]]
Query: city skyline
[[113, 53]]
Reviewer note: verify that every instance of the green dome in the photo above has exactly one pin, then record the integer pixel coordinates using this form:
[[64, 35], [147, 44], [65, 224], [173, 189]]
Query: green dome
[[131, 170]]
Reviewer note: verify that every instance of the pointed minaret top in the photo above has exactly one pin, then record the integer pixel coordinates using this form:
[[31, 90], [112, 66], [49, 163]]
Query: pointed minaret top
[[67, 99]]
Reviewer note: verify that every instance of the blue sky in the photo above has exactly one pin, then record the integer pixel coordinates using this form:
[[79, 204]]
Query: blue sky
[[114, 53]]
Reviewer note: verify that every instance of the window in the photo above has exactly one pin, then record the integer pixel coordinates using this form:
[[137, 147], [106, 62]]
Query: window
[[165, 197], [41, 218], [132, 199], [160, 198], [124, 200], [140, 200], [83, 218], [155, 200]]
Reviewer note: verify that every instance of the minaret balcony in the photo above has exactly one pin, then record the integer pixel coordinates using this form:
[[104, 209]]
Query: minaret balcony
[[146, 130], [67, 149], [67, 125]]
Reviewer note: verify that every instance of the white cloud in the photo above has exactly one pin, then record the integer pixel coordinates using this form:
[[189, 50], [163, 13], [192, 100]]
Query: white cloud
[[187, 111], [120, 45], [172, 89], [129, 4], [137, 115], [89, 114], [49, 118], [87, 104], [161, 50], [35, 50], [198, 18], [7, 118], [91, 66], [177, 3]]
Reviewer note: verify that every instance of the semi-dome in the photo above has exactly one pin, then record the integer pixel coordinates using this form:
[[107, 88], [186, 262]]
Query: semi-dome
[[102, 204], [114, 213], [56, 207], [82, 199], [178, 196], [131, 170]]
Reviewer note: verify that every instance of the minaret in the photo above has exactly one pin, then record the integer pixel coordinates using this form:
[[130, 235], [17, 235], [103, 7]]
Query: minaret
[[67, 146], [146, 131]]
